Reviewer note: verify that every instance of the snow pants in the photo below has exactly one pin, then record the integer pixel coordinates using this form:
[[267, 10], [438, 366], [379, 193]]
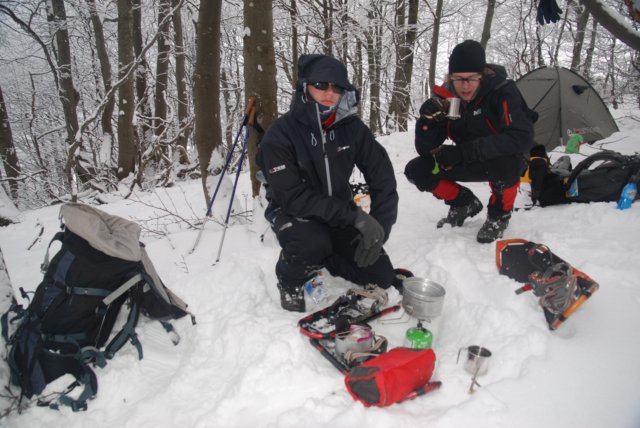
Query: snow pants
[[503, 175], [308, 245]]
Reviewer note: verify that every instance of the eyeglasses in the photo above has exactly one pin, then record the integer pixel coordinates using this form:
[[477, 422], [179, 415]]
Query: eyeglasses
[[474, 79], [323, 86]]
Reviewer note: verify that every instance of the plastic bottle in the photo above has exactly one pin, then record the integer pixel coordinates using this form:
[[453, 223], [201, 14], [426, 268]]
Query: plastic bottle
[[574, 143], [314, 291], [628, 194]]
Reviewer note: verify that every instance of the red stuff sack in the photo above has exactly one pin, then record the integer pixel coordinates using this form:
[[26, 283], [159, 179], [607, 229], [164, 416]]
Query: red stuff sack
[[390, 377]]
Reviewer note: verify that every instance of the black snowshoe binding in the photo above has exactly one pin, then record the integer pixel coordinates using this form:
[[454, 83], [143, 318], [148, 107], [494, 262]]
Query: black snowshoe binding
[[354, 308], [464, 206], [493, 228], [560, 287]]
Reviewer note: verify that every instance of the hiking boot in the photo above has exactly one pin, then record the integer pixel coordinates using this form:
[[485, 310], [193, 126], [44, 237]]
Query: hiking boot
[[461, 208], [291, 298], [493, 228]]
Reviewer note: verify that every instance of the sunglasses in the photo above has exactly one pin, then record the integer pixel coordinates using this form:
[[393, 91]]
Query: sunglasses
[[323, 86], [474, 79]]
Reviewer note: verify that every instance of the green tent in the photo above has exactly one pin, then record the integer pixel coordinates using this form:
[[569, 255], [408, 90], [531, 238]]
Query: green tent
[[566, 104]]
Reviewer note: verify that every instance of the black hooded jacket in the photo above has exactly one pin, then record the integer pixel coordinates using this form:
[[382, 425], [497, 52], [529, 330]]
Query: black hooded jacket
[[496, 123], [307, 169]]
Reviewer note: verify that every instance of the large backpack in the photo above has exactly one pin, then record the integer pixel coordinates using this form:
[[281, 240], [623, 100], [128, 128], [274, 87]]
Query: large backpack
[[100, 267], [598, 178]]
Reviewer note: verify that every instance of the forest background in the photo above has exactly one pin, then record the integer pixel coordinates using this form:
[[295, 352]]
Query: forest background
[[97, 93]]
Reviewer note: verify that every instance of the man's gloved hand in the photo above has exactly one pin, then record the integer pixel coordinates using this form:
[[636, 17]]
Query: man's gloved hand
[[548, 11], [370, 240], [433, 110], [448, 156]]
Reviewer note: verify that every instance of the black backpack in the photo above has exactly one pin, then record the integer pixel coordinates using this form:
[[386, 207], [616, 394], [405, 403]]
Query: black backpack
[[100, 269], [598, 178]]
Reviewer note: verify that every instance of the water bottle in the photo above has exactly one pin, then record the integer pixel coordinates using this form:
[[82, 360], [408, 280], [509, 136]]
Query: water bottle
[[314, 292], [628, 195]]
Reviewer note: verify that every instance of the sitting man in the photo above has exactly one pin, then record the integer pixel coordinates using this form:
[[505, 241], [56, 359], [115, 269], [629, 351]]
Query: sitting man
[[307, 157]]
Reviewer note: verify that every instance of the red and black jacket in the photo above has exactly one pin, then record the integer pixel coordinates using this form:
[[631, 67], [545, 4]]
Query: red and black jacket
[[496, 123]]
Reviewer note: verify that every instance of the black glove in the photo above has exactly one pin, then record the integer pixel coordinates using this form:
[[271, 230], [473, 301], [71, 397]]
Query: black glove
[[448, 156], [548, 11], [433, 110], [370, 240]]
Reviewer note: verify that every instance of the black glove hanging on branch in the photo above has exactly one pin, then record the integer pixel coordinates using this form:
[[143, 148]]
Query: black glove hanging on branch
[[370, 240], [548, 11]]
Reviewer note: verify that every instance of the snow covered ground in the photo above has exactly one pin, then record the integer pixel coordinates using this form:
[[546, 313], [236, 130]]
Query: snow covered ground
[[246, 365]]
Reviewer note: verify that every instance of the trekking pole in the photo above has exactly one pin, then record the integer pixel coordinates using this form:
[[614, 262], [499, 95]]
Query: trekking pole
[[252, 115], [243, 124], [245, 119]]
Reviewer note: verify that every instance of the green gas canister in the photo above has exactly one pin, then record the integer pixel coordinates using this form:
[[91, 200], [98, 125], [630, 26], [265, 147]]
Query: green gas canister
[[418, 338]]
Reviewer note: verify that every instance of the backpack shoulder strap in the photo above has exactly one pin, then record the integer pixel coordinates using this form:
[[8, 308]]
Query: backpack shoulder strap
[[586, 163]]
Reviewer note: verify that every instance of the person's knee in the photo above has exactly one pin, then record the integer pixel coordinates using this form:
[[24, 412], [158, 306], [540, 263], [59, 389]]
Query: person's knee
[[418, 172], [381, 273]]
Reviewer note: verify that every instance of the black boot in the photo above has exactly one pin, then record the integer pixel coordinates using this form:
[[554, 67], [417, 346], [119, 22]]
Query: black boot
[[291, 298], [493, 228], [465, 205]]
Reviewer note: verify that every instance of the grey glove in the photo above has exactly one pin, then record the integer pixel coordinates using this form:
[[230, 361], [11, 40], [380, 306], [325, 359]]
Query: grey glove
[[370, 240]]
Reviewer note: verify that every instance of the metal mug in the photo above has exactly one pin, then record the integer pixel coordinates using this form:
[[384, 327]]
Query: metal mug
[[477, 362], [454, 108]]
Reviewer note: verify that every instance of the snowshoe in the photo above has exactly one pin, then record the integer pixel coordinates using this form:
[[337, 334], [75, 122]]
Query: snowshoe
[[560, 287], [354, 308]]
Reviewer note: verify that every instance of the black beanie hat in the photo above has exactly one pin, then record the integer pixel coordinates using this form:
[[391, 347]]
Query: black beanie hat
[[467, 57], [315, 68]]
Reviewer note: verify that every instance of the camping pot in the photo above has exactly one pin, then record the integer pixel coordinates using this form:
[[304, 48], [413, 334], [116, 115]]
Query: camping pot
[[477, 362], [358, 338], [422, 298]]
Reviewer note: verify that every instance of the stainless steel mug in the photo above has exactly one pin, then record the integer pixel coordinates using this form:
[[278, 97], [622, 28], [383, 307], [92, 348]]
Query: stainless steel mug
[[454, 108], [477, 362]]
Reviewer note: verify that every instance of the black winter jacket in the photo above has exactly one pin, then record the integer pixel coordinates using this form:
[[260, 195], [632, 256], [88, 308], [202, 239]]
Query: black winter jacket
[[497, 122], [307, 169]]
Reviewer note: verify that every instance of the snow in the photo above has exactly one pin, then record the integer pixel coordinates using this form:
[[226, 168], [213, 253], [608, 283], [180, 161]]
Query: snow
[[246, 365]]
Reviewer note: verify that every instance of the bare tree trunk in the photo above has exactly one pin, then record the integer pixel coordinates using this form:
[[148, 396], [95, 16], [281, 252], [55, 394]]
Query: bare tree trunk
[[68, 96], [181, 84], [538, 48], [400, 99], [144, 109], [126, 99], [206, 86], [583, 18], [228, 108], [8, 153], [259, 71], [435, 39], [162, 76], [373, 36], [592, 46], [488, 20], [560, 34], [105, 69]]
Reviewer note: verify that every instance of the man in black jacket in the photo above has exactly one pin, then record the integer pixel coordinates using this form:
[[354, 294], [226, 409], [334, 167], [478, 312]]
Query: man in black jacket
[[491, 136], [307, 157]]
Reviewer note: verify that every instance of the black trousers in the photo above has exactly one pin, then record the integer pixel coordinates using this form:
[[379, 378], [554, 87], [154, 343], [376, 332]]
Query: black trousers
[[502, 174], [308, 245]]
